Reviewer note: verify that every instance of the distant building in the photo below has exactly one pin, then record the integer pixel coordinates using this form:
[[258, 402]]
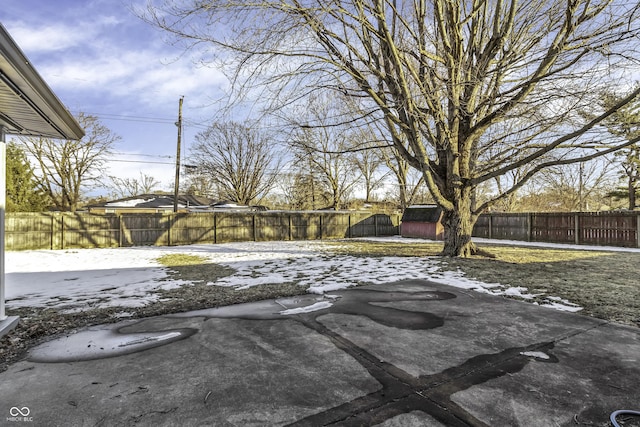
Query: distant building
[[227, 206], [151, 203], [163, 203]]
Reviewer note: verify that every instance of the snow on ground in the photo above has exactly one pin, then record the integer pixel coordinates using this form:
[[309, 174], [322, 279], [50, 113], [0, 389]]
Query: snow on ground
[[130, 277]]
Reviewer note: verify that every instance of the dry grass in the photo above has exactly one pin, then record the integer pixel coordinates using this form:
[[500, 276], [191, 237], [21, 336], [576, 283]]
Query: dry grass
[[199, 294]]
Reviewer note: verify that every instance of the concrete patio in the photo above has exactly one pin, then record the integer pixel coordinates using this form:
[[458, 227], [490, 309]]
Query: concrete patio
[[410, 353]]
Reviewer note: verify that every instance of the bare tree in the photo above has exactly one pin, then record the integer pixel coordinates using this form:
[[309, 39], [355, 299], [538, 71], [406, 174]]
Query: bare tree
[[441, 73], [288, 186], [303, 188], [198, 182], [407, 185], [625, 123], [510, 202], [127, 187], [574, 188], [67, 168], [326, 148], [371, 165], [241, 161]]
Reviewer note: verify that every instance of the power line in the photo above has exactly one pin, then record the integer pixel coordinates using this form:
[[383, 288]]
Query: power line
[[186, 122], [160, 156], [131, 118], [140, 161]]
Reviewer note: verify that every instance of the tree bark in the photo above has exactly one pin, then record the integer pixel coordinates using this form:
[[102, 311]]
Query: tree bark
[[458, 226]]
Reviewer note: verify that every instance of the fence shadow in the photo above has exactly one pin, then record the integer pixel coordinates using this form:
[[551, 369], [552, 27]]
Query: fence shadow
[[375, 225]]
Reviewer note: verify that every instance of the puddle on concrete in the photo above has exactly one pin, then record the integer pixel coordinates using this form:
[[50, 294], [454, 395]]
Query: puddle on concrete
[[361, 302], [357, 302], [103, 341], [112, 340], [263, 310]]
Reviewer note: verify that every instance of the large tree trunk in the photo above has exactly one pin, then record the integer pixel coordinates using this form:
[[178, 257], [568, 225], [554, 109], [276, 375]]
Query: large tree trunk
[[458, 226], [403, 196], [632, 193]]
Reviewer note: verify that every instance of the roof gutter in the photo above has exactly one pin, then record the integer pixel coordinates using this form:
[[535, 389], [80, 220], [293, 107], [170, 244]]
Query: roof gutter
[[25, 81]]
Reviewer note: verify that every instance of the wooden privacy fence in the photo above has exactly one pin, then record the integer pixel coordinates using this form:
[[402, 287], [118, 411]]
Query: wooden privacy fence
[[83, 230], [582, 228]]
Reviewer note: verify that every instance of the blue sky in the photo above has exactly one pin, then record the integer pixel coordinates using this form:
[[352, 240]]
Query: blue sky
[[99, 58]]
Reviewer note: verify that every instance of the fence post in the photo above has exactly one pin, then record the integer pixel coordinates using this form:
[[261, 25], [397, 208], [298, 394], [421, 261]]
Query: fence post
[[120, 230], [491, 226], [215, 228], [320, 217], [375, 224], [576, 228], [169, 229], [53, 230], [253, 225], [638, 229], [290, 228], [528, 226], [62, 230], [349, 226]]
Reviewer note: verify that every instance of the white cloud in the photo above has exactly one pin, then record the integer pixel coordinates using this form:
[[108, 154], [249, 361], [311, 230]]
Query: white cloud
[[49, 38], [134, 73], [56, 37]]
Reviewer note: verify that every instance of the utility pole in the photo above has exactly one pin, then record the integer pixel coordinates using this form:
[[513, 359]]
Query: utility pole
[[176, 188], [581, 188]]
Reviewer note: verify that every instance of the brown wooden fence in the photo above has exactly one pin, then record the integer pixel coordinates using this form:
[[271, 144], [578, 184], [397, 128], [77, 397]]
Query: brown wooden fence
[[84, 230], [582, 228]]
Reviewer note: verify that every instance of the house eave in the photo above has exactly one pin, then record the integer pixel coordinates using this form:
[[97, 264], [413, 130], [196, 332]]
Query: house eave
[[29, 106]]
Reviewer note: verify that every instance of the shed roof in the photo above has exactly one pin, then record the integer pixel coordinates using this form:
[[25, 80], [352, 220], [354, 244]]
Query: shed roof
[[27, 105], [422, 213]]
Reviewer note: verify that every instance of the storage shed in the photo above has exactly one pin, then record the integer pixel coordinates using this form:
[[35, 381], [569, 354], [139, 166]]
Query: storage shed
[[422, 221]]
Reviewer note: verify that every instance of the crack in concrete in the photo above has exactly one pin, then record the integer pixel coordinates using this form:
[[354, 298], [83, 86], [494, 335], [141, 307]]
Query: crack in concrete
[[402, 393]]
